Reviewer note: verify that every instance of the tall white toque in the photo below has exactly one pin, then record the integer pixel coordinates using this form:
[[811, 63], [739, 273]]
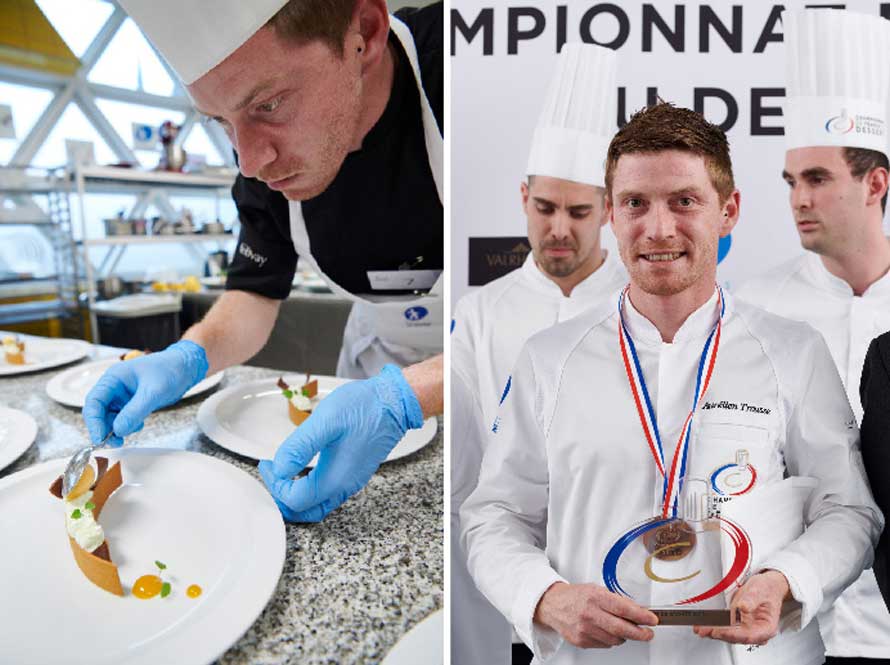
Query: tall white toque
[[194, 36], [579, 117], [837, 79]]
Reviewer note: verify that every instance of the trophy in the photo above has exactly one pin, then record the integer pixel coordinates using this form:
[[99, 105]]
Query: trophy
[[682, 566]]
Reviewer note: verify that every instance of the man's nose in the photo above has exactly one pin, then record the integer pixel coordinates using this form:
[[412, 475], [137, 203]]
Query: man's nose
[[800, 197], [254, 150], [660, 223], [560, 224]]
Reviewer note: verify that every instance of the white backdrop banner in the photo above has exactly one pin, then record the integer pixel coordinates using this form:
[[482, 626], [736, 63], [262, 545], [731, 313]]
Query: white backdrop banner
[[723, 59]]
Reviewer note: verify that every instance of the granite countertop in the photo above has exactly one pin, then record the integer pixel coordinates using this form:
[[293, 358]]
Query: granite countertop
[[351, 586]]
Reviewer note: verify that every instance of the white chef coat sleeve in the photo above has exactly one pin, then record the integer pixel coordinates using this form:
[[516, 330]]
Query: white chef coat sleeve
[[504, 519], [842, 521], [480, 635], [466, 415]]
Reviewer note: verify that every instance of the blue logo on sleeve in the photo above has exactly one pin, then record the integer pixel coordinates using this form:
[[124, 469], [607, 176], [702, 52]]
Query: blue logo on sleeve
[[497, 420], [416, 313], [506, 389]]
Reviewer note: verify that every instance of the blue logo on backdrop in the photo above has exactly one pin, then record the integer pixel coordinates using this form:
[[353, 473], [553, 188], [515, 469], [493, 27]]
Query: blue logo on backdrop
[[723, 247], [416, 313], [452, 326]]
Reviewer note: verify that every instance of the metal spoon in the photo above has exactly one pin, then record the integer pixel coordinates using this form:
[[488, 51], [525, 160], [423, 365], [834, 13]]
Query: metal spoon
[[78, 462]]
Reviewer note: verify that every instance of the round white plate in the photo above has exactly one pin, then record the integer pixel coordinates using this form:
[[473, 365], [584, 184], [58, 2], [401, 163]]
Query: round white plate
[[251, 418], [45, 352], [209, 522], [72, 386], [422, 644], [17, 432]]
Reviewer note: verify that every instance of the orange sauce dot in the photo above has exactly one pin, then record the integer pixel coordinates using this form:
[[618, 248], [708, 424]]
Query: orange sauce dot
[[147, 586], [193, 591]]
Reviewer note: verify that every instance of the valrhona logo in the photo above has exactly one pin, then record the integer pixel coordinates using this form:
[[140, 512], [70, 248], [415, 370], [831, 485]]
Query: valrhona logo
[[494, 257]]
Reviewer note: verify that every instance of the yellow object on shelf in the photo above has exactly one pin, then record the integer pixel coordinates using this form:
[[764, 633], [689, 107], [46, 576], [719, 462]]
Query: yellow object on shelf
[[28, 39], [190, 284]]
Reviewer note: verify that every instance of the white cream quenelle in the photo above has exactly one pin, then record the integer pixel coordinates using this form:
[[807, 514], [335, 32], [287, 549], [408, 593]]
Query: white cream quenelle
[[569, 469], [81, 525]]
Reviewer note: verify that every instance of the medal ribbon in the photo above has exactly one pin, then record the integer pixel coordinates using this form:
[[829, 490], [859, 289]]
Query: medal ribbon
[[672, 479]]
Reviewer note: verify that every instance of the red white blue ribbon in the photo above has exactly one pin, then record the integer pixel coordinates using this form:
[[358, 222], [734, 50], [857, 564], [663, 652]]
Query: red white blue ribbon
[[673, 476]]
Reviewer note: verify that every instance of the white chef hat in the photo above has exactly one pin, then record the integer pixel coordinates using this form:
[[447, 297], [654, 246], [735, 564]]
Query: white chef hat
[[838, 78], [579, 116], [194, 36]]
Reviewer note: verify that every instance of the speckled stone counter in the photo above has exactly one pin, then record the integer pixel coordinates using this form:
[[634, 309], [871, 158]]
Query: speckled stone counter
[[351, 585]]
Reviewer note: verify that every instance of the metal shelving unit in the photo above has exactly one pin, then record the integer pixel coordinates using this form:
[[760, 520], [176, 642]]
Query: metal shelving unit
[[22, 187], [148, 187]]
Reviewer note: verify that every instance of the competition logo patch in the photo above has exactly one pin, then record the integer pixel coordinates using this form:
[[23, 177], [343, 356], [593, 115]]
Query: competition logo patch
[[416, 313], [860, 124], [736, 478], [840, 124]]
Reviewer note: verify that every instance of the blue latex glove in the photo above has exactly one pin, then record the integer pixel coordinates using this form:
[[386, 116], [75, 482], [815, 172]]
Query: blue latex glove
[[130, 390], [353, 428]]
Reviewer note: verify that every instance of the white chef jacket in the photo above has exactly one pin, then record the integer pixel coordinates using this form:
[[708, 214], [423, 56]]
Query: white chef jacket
[[803, 289], [492, 323], [490, 326], [568, 466]]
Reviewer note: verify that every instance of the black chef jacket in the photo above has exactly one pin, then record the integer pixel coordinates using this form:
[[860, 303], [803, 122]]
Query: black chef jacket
[[381, 211], [874, 390]]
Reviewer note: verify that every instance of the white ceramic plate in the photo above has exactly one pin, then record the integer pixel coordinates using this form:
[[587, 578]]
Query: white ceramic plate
[[72, 386], [17, 432], [209, 522], [251, 418], [45, 352], [422, 644]]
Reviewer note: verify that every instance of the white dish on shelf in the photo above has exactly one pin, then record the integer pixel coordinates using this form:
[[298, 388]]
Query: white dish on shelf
[[424, 643], [211, 523], [72, 386], [17, 432], [251, 419], [44, 353]]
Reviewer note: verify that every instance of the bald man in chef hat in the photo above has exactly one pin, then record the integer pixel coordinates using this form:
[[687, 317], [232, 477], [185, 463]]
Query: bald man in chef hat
[[836, 167], [566, 272]]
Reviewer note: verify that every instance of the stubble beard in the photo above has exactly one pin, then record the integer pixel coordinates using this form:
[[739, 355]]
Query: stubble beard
[[335, 146]]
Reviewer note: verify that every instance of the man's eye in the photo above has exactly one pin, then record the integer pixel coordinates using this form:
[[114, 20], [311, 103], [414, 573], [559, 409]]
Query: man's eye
[[634, 203], [684, 201], [545, 210], [579, 215], [269, 107]]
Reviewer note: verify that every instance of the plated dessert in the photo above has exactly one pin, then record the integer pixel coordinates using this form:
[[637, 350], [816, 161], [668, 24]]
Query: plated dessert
[[135, 353], [300, 403], [83, 504], [14, 350]]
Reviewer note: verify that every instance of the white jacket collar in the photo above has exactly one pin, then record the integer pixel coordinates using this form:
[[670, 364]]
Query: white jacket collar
[[818, 274], [596, 283], [697, 325]]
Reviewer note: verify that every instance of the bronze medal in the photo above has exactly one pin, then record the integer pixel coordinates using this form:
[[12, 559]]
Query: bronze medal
[[670, 542]]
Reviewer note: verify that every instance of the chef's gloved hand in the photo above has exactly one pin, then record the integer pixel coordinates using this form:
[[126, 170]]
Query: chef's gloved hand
[[130, 390], [353, 429]]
